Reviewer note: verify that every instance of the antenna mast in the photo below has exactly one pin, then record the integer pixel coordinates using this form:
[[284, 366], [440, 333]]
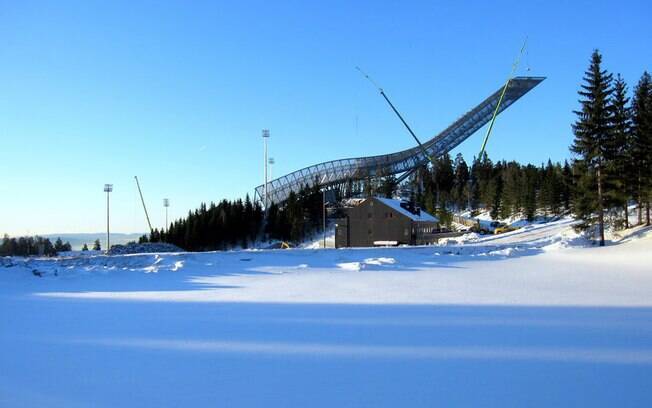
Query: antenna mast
[[143, 201]]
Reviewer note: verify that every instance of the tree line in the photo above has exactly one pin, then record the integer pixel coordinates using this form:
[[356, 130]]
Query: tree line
[[612, 148], [506, 189], [237, 223], [29, 246]]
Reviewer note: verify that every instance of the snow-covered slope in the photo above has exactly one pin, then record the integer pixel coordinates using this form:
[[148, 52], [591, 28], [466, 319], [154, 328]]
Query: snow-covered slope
[[534, 317]]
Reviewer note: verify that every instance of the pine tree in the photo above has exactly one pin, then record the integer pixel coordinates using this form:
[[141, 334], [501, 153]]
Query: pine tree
[[271, 226], [428, 197], [550, 201], [642, 144], [592, 130], [567, 186], [621, 171], [511, 200], [85, 247], [443, 178], [556, 199], [429, 202], [497, 191], [474, 187], [544, 193], [484, 175], [250, 220], [58, 245], [461, 182], [96, 245], [388, 186], [295, 217], [529, 188]]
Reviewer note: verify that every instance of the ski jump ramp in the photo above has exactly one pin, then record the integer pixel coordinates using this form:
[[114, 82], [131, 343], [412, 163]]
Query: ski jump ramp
[[337, 173]]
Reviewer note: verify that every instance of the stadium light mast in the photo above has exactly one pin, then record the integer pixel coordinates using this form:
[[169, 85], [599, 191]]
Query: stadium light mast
[[166, 204], [108, 188], [265, 137], [323, 216], [323, 207]]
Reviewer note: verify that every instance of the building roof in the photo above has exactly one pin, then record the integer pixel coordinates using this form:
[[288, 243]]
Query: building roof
[[396, 206]]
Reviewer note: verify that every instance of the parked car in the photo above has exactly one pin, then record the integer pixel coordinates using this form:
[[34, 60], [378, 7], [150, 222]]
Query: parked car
[[504, 228]]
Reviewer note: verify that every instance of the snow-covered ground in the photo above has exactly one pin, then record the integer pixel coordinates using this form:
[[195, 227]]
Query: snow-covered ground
[[534, 317]]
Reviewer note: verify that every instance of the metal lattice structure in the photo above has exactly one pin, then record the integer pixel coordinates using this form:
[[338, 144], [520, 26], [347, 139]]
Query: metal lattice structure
[[338, 172]]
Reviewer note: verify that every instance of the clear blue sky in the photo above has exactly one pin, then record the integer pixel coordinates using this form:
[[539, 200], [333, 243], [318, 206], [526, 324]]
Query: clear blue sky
[[177, 92]]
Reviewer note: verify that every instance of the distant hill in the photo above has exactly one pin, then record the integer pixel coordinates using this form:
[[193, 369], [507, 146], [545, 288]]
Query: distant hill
[[77, 240]]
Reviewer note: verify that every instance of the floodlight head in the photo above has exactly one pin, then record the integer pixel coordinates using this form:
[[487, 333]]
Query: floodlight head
[[265, 132], [108, 188], [166, 202]]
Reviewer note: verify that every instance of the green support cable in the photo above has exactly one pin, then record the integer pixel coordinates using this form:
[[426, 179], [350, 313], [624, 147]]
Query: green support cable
[[500, 100]]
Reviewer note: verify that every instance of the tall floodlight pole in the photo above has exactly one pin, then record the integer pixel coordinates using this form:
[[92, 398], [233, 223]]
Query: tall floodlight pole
[[323, 206], [107, 189], [166, 204], [265, 137], [323, 197]]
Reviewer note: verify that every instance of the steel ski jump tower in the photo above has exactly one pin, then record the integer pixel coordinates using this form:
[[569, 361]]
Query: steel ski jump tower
[[336, 173]]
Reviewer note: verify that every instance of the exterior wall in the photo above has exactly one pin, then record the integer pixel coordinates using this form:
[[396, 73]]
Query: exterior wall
[[342, 233], [426, 233], [373, 221]]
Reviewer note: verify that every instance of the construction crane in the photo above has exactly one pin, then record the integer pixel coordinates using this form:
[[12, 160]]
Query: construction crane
[[144, 207]]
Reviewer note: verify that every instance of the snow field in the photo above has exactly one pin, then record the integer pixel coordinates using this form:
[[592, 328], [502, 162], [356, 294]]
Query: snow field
[[534, 317]]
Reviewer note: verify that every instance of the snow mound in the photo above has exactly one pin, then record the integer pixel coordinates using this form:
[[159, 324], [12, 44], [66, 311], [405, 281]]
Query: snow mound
[[356, 266], [351, 266], [7, 262], [380, 261], [146, 248], [509, 251]]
